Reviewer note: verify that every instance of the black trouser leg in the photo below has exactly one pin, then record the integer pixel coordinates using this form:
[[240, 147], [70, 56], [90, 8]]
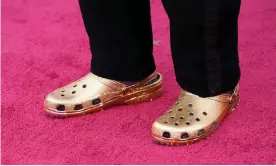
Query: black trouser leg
[[120, 38], [204, 44]]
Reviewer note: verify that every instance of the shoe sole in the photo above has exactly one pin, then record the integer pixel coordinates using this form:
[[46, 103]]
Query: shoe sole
[[178, 142]]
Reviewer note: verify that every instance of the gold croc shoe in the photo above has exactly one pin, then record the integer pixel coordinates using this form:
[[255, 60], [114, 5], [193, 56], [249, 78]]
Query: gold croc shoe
[[193, 118], [92, 93]]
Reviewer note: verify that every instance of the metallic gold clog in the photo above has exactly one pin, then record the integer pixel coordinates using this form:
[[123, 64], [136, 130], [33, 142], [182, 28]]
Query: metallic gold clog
[[193, 118], [92, 93]]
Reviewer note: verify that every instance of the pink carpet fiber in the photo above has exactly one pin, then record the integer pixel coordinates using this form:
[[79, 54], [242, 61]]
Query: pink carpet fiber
[[44, 46]]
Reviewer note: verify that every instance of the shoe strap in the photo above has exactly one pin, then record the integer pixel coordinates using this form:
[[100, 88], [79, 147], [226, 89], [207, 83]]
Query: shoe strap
[[143, 82]]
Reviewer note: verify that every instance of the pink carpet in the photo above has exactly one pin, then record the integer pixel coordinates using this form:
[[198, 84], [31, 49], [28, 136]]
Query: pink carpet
[[44, 46]]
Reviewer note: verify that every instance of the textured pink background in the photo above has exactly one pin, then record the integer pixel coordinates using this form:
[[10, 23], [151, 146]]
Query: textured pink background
[[44, 46]]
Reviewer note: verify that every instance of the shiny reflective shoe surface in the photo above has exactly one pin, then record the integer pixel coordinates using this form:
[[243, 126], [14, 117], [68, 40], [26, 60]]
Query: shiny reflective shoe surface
[[193, 118], [92, 93]]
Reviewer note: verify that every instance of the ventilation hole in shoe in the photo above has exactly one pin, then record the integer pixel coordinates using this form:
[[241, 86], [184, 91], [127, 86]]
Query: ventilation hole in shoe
[[170, 111], [172, 117], [60, 107], [165, 122], [201, 132], [213, 126], [197, 119], [205, 113], [190, 105], [73, 92], [187, 123], [78, 107], [176, 124], [96, 101], [166, 135], [75, 86], [180, 109], [63, 91], [177, 103], [62, 95], [84, 86], [191, 114], [181, 117], [184, 136]]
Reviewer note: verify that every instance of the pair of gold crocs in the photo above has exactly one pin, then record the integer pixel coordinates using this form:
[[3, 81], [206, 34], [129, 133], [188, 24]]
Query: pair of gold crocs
[[190, 119]]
